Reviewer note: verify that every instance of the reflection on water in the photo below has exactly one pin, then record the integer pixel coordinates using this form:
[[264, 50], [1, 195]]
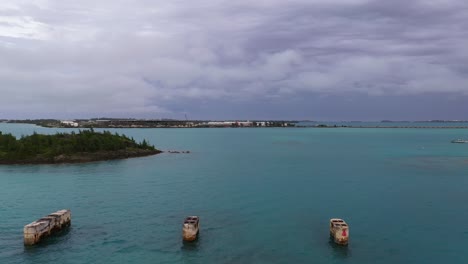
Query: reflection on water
[[190, 245], [190, 250], [339, 251]]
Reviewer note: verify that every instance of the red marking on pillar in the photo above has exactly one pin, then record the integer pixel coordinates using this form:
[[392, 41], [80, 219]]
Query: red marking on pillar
[[344, 233]]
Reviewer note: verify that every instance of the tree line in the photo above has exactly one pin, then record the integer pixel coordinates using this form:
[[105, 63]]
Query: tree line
[[48, 146]]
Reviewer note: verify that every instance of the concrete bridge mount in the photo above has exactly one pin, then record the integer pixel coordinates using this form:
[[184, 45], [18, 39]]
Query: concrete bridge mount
[[46, 226]]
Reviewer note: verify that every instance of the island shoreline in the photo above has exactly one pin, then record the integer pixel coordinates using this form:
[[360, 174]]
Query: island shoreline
[[84, 146], [85, 157]]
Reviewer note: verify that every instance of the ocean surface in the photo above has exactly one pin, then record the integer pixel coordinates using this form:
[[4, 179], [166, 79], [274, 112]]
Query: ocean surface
[[392, 124], [264, 195]]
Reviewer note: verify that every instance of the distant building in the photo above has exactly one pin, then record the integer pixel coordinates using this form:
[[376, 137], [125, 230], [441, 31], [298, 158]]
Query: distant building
[[245, 124], [220, 124], [69, 123]]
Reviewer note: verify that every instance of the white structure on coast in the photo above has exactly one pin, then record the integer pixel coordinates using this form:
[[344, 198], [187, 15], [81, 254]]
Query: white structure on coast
[[230, 123], [69, 123]]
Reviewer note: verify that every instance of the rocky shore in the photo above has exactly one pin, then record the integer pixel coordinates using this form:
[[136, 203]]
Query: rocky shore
[[84, 157]]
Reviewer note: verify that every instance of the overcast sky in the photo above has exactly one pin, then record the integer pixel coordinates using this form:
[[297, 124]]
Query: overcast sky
[[243, 59]]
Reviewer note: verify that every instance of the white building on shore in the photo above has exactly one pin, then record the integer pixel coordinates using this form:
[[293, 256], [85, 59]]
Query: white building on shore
[[69, 123]]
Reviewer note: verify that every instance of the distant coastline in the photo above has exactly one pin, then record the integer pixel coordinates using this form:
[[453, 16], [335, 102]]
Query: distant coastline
[[170, 123], [145, 123]]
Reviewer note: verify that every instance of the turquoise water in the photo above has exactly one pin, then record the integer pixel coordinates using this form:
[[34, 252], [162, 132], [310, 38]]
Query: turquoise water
[[415, 124], [264, 196]]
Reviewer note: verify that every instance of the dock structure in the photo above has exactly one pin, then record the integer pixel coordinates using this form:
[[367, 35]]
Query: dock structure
[[46, 226]]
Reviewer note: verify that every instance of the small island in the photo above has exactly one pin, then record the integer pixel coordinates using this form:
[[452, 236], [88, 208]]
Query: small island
[[83, 146]]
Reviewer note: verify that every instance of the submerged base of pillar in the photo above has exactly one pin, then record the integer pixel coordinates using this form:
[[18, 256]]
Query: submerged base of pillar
[[46, 226]]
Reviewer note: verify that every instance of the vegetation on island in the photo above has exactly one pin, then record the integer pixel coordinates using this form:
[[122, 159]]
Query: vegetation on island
[[83, 146]]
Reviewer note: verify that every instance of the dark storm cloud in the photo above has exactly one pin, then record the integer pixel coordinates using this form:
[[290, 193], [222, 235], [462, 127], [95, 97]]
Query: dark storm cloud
[[149, 57]]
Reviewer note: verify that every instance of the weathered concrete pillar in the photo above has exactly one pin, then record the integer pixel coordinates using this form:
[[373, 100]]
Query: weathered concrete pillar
[[46, 226], [190, 228], [339, 230]]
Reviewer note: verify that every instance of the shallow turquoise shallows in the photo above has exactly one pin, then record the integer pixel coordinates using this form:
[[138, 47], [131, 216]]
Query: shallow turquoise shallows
[[264, 195]]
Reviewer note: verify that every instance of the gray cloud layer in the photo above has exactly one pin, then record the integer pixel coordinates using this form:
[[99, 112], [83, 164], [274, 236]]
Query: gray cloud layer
[[146, 58]]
